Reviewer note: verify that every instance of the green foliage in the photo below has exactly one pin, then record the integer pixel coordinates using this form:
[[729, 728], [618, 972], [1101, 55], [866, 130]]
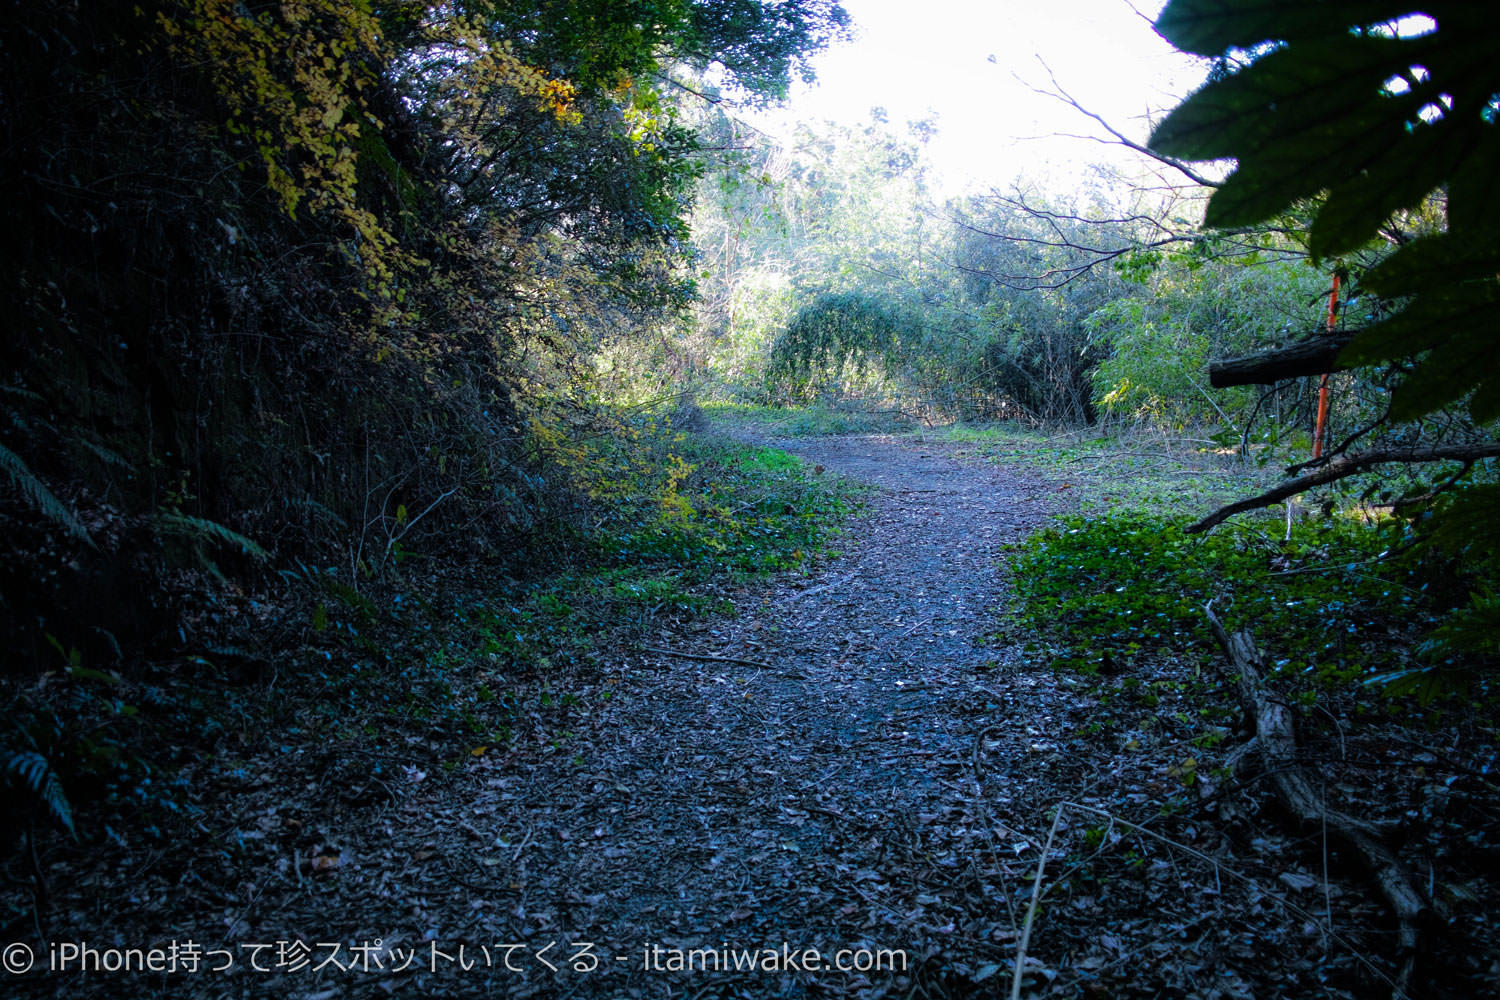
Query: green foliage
[[1340, 103], [833, 341], [38, 495], [1160, 338], [826, 274], [201, 529], [601, 41], [1024, 271], [39, 781], [1127, 584], [696, 506], [72, 748], [330, 285], [1332, 103], [381, 665], [674, 533], [351, 253]]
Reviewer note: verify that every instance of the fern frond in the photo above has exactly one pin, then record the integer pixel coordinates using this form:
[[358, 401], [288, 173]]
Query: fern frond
[[104, 454], [39, 776], [202, 527], [316, 507], [40, 497]]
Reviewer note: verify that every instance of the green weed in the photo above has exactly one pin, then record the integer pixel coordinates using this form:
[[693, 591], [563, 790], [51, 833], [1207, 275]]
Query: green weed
[[1110, 588]]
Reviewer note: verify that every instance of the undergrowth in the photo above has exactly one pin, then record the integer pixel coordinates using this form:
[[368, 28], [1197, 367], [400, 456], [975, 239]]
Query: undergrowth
[[692, 506], [422, 664], [1117, 588], [1343, 600], [671, 524]]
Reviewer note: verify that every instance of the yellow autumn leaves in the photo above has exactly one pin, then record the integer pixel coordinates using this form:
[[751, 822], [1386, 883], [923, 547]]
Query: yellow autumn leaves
[[295, 80]]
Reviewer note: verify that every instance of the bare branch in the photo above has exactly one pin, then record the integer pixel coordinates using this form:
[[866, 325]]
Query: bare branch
[[1057, 92], [1342, 468], [680, 84], [1344, 445]]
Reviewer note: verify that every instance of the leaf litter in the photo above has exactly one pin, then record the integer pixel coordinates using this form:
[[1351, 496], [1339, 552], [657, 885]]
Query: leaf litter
[[855, 760]]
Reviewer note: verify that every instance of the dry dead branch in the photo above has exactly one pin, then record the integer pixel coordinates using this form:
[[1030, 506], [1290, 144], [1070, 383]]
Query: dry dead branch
[[1347, 465], [1276, 735], [1313, 356]]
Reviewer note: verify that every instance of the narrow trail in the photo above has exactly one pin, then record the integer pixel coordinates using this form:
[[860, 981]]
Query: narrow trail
[[841, 790], [860, 780]]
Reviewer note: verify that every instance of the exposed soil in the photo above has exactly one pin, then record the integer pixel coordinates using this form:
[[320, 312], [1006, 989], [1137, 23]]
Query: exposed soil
[[841, 786]]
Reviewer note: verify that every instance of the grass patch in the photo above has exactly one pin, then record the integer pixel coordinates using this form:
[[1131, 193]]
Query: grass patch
[[1124, 472], [695, 507]]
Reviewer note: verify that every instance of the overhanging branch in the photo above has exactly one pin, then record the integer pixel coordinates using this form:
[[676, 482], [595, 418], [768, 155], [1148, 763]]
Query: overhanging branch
[[1348, 465], [1119, 137]]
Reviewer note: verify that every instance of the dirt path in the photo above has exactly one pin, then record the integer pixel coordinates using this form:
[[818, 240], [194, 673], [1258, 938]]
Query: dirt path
[[852, 784], [850, 771]]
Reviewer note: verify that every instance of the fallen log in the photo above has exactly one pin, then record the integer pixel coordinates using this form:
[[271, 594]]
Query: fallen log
[[1313, 356], [1275, 733]]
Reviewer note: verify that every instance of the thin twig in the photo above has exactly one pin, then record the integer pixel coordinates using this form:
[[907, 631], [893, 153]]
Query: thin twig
[[1219, 869], [705, 656]]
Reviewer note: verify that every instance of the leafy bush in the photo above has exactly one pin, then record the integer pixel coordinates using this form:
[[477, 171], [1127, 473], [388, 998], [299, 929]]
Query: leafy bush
[[1158, 340], [837, 344]]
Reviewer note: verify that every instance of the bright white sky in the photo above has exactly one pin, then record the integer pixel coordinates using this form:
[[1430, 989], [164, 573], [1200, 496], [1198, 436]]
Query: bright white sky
[[913, 57]]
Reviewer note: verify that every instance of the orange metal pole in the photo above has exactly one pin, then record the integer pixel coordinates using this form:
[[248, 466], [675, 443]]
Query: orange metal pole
[[1321, 426]]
